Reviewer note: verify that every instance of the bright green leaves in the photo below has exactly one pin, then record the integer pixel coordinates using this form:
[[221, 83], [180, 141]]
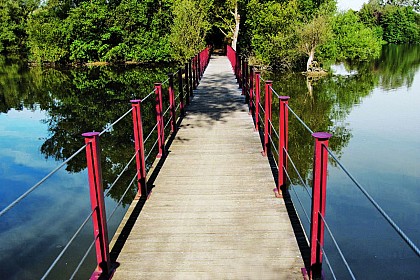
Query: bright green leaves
[[272, 28], [351, 39], [399, 25], [189, 29]]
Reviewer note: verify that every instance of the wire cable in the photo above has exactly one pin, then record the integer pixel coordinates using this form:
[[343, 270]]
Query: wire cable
[[67, 246], [376, 205], [122, 197], [338, 247], [114, 123], [150, 94], [300, 120], [121, 173], [82, 260], [17, 200], [151, 132], [298, 173], [272, 90]]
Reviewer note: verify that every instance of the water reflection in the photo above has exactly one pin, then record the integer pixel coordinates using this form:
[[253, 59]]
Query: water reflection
[[70, 102], [373, 116], [46, 110]]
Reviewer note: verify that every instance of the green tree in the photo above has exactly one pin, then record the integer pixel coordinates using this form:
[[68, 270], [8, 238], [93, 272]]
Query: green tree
[[47, 41], [189, 29], [88, 31], [312, 35], [13, 17], [351, 39], [399, 25], [272, 32]]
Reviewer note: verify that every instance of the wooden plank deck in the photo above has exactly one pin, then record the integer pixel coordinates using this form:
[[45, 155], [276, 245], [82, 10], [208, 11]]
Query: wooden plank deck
[[213, 213]]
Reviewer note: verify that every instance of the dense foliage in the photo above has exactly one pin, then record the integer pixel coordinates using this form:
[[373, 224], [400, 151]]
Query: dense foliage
[[398, 23], [280, 33]]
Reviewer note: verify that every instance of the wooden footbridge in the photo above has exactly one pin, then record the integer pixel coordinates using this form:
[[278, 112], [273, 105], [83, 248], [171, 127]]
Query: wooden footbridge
[[210, 204], [212, 213]]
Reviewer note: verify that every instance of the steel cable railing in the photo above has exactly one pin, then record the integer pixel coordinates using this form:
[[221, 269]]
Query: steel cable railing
[[82, 260], [409, 242], [300, 120], [25, 194], [338, 247], [298, 173], [328, 263], [150, 133], [273, 91], [114, 123], [300, 202], [122, 197], [147, 96], [67, 246], [151, 150], [120, 174]]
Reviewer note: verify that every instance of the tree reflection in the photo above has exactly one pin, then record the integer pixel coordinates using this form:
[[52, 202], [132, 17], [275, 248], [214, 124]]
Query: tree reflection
[[88, 99], [82, 100]]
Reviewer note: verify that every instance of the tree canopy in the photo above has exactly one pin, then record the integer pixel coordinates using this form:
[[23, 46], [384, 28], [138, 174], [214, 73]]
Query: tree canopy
[[279, 33]]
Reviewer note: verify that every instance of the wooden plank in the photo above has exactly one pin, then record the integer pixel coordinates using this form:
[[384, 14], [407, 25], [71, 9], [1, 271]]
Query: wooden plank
[[212, 213]]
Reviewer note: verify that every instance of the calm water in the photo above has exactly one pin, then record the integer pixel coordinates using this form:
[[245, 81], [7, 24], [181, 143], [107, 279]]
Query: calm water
[[371, 109], [42, 115]]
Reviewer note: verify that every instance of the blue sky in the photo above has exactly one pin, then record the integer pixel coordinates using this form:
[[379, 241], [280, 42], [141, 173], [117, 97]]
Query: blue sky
[[350, 4]]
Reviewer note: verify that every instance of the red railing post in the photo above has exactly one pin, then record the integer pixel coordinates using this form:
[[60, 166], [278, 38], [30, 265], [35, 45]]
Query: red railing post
[[257, 99], [319, 191], [191, 78], [172, 104], [100, 229], [181, 92], [238, 69], [245, 79], [159, 120], [283, 142], [251, 90], [267, 116], [187, 84], [139, 146], [194, 73], [199, 68], [241, 74]]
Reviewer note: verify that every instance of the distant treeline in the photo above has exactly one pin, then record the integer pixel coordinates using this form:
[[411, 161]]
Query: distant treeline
[[279, 33]]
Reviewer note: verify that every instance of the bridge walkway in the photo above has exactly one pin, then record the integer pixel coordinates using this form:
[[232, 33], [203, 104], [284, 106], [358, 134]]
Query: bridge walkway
[[212, 213]]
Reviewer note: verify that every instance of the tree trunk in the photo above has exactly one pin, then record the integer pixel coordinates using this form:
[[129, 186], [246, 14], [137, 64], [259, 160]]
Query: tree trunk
[[310, 59], [236, 31]]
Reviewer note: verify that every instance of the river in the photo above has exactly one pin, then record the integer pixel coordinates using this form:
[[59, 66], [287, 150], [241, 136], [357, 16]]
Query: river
[[370, 108]]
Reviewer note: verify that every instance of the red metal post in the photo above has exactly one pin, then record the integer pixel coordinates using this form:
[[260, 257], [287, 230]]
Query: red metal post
[[100, 228], [251, 90], [257, 99], [172, 104], [181, 92], [187, 84], [283, 142], [245, 79], [194, 73], [191, 78], [199, 68], [238, 69], [267, 116], [159, 120], [319, 191], [139, 146]]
